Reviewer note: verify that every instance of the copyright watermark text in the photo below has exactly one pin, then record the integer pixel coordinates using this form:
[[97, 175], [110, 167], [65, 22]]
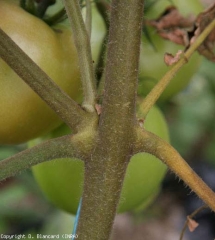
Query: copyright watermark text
[[38, 236]]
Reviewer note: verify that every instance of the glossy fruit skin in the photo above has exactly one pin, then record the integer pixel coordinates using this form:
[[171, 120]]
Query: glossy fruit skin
[[61, 180], [23, 115], [152, 66]]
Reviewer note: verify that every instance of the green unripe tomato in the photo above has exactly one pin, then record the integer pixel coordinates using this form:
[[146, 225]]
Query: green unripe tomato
[[23, 114], [145, 172], [152, 66], [62, 180]]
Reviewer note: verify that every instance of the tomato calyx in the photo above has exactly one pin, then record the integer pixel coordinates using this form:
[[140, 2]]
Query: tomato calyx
[[58, 17], [28, 5], [39, 9], [36, 7], [42, 6]]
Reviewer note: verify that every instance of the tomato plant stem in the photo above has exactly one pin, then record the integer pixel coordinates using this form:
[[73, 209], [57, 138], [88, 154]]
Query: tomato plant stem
[[105, 170], [79, 146], [63, 147], [82, 42], [150, 143]]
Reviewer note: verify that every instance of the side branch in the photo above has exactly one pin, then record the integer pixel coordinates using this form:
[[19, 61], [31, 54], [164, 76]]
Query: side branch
[[67, 109], [150, 143], [82, 43], [62, 147]]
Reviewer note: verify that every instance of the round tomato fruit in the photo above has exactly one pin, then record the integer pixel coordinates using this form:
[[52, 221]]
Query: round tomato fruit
[[23, 114], [61, 180], [152, 66]]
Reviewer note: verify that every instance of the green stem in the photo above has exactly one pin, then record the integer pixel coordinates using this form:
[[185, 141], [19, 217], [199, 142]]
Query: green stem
[[158, 89], [63, 147], [105, 170], [88, 20], [150, 143], [82, 43], [66, 108]]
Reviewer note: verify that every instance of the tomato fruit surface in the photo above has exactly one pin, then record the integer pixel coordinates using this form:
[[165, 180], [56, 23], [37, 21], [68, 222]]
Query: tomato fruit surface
[[61, 180], [23, 115], [152, 66]]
